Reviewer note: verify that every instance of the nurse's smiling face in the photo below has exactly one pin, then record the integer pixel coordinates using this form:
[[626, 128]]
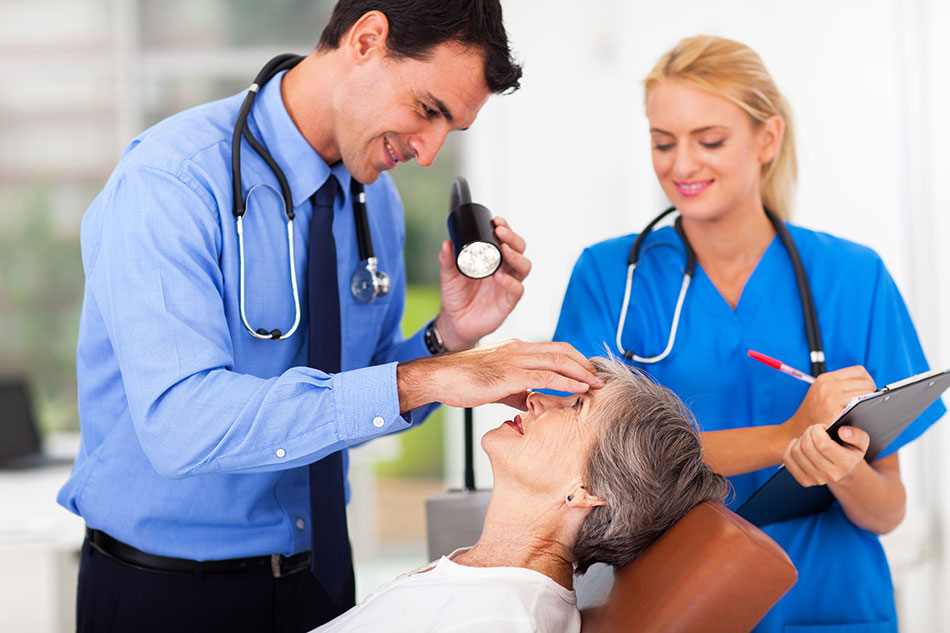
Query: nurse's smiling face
[[545, 450], [707, 152]]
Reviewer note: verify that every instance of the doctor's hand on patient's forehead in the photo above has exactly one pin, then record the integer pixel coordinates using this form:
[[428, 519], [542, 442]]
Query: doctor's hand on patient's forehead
[[502, 372]]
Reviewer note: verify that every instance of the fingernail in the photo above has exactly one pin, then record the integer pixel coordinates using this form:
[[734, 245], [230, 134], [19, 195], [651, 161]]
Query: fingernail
[[846, 433]]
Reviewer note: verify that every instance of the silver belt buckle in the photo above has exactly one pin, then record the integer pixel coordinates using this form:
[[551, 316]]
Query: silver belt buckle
[[275, 565]]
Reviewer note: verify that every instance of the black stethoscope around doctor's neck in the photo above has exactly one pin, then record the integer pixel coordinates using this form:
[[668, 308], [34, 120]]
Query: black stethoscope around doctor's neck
[[367, 283], [812, 333]]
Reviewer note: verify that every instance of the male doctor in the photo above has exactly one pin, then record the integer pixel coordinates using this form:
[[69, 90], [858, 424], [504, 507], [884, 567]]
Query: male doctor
[[211, 470]]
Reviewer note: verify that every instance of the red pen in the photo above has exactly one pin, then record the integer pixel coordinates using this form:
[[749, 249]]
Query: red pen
[[782, 367]]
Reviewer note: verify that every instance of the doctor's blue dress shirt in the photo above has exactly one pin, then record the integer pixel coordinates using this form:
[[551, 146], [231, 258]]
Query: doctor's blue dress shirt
[[844, 583], [196, 436]]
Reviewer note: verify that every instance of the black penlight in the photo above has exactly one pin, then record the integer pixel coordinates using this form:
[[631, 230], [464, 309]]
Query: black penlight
[[477, 252]]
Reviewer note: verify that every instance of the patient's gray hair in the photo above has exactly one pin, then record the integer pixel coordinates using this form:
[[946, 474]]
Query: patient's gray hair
[[647, 465]]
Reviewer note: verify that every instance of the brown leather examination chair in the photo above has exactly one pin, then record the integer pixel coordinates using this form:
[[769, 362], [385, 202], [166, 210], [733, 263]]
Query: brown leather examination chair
[[712, 572]]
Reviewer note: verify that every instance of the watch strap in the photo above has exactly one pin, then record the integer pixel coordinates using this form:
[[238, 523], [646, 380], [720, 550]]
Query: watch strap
[[433, 339]]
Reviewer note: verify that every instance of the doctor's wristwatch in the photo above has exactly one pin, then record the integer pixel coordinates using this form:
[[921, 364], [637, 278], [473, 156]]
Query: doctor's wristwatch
[[433, 339]]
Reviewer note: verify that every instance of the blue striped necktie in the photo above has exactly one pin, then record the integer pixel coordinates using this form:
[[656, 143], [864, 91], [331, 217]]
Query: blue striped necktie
[[331, 562]]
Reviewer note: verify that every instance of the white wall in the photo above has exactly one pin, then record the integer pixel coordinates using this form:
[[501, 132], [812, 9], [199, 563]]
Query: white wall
[[567, 161]]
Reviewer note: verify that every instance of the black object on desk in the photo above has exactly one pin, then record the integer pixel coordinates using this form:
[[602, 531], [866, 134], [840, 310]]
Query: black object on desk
[[19, 438], [883, 414]]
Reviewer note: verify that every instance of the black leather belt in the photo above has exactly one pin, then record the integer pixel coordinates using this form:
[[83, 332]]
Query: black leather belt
[[276, 565]]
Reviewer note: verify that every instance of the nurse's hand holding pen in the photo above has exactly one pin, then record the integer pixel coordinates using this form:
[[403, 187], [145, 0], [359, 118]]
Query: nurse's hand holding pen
[[814, 459], [827, 397], [811, 455]]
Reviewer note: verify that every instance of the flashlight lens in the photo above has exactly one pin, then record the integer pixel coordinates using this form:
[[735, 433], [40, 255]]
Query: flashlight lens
[[479, 259]]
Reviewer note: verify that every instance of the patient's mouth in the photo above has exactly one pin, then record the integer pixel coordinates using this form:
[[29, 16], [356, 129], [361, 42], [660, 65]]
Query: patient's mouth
[[516, 424]]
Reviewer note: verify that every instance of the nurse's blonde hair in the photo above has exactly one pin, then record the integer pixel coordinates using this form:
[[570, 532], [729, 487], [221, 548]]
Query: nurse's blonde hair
[[733, 71]]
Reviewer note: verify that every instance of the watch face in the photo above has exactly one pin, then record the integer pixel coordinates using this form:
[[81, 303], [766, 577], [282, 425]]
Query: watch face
[[432, 340]]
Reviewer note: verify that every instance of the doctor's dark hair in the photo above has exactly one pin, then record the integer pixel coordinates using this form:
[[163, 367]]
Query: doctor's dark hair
[[733, 71], [647, 465], [417, 26]]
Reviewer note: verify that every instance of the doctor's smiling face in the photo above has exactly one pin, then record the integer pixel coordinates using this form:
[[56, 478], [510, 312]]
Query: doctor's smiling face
[[707, 152], [391, 110]]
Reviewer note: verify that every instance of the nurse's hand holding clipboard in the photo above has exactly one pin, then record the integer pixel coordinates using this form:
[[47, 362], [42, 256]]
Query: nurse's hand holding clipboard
[[815, 459]]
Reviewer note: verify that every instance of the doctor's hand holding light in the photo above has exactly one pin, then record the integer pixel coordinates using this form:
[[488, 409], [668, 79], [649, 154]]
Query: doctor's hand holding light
[[241, 324], [685, 303]]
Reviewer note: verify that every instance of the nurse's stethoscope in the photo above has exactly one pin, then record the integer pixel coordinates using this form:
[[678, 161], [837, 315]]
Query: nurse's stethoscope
[[367, 282], [817, 354]]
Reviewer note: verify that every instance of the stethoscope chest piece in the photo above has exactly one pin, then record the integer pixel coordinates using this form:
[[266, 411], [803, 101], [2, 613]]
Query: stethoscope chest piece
[[367, 283]]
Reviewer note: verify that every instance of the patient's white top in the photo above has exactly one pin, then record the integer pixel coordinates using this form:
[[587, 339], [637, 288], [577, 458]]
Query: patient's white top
[[452, 598]]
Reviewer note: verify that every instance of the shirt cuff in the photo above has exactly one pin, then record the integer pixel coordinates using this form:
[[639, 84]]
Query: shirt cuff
[[369, 401]]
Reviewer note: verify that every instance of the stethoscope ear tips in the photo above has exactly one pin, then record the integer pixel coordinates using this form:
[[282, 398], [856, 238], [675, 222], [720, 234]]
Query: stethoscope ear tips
[[477, 252], [274, 334]]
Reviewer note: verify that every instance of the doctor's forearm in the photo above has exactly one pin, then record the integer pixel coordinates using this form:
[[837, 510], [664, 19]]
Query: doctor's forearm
[[738, 451], [872, 495]]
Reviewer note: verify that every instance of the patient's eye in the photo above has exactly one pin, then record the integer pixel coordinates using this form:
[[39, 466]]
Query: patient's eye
[[577, 404]]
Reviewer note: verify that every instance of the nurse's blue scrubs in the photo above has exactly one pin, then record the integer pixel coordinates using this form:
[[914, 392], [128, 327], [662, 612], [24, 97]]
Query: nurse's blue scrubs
[[844, 582]]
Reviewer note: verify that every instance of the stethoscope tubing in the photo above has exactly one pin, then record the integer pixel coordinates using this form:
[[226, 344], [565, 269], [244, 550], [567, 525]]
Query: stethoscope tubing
[[812, 332], [367, 282], [629, 355], [262, 334]]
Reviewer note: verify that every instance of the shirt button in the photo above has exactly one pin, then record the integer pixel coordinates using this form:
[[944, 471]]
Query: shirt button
[[281, 452], [378, 422], [300, 524]]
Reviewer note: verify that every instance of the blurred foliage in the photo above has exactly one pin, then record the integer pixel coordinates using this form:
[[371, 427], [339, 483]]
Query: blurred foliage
[[41, 283], [421, 448], [425, 195]]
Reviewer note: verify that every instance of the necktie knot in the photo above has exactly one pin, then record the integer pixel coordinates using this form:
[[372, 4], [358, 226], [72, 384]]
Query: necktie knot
[[326, 194]]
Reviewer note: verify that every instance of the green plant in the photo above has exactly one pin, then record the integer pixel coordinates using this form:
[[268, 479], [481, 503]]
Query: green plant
[[41, 283]]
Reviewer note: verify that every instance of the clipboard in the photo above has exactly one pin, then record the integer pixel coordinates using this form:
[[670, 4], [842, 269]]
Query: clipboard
[[883, 414]]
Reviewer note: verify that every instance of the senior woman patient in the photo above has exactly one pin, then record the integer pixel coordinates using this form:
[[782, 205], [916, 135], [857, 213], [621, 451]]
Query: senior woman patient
[[588, 478]]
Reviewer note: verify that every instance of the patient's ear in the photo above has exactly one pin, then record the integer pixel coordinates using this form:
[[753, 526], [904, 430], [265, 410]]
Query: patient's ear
[[580, 498]]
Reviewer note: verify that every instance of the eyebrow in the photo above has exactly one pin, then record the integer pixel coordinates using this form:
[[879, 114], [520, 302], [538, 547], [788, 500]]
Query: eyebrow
[[699, 130], [444, 109]]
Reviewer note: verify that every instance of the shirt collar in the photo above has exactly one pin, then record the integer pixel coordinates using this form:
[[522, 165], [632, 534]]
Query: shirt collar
[[304, 168]]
